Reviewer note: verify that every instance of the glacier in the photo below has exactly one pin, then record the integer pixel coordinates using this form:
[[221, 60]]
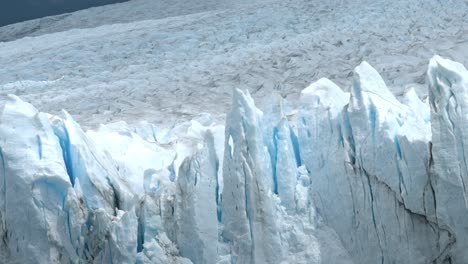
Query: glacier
[[166, 61], [348, 177]]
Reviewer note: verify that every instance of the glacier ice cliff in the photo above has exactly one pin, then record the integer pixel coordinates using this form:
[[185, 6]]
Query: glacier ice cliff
[[348, 177]]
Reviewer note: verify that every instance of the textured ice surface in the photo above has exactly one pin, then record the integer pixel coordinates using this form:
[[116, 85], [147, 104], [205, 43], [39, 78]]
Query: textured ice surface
[[362, 178], [166, 61], [335, 175]]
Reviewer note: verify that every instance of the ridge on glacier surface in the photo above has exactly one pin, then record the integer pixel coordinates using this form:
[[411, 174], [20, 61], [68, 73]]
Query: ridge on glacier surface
[[352, 177]]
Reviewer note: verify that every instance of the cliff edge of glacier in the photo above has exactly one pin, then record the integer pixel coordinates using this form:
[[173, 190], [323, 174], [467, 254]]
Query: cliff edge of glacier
[[358, 177]]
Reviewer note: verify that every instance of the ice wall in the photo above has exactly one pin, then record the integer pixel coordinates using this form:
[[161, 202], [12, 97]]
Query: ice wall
[[358, 177]]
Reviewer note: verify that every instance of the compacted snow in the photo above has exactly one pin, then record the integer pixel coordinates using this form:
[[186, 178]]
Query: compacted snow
[[215, 138], [182, 62]]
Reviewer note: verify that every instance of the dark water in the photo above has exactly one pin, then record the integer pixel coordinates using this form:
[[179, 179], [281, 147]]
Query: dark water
[[14, 11]]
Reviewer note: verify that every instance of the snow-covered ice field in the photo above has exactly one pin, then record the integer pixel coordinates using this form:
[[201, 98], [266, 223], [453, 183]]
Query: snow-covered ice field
[[166, 61], [371, 170]]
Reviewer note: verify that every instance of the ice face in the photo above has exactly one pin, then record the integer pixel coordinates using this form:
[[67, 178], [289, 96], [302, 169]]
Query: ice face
[[360, 182], [39, 208], [448, 85], [196, 209], [247, 210], [357, 177]]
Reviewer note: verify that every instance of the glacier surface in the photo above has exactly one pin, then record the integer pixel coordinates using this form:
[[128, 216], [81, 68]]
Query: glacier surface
[[165, 61], [350, 177]]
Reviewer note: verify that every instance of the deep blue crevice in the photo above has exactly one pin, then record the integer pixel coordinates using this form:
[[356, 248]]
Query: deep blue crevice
[[371, 194], [140, 234], [116, 198], [89, 221], [397, 146], [372, 119], [172, 174], [154, 134], [39, 146], [65, 145], [340, 137], [274, 158], [398, 157], [349, 137], [295, 145], [217, 194]]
